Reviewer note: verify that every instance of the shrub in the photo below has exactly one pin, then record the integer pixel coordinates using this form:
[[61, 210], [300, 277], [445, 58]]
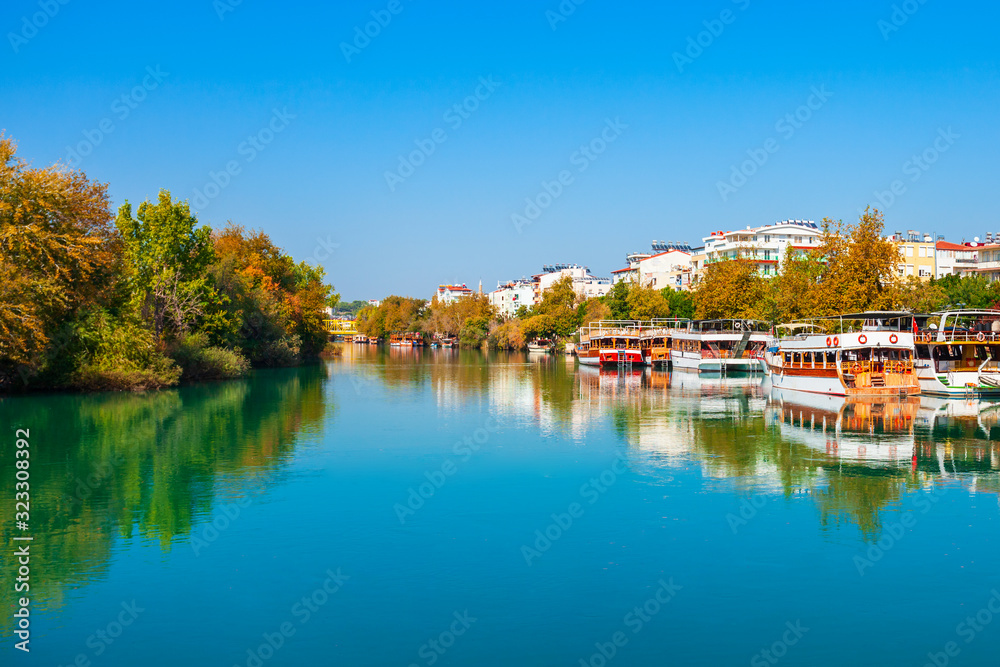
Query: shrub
[[201, 361], [119, 355]]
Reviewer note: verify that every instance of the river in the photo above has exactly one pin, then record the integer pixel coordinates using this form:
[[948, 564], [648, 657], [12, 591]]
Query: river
[[445, 507]]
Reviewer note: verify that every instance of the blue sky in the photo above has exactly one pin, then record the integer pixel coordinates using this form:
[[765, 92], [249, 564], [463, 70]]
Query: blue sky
[[309, 132]]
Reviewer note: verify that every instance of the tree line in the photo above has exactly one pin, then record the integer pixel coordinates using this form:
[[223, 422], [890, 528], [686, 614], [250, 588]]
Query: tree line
[[144, 298], [561, 311]]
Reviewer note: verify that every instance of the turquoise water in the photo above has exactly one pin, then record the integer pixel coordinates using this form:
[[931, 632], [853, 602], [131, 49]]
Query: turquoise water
[[447, 508]]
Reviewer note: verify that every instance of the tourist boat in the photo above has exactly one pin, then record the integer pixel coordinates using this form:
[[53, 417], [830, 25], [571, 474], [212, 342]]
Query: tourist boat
[[610, 343], [876, 359], [655, 340], [449, 342], [360, 339], [408, 339], [540, 346], [719, 346], [959, 354]]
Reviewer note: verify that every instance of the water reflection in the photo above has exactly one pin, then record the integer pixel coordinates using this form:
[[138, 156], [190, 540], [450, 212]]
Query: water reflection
[[116, 467], [112, 468], [855, 458]]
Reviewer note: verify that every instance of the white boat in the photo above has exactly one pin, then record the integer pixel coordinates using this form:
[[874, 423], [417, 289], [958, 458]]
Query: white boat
[[719, 346], [540, 346], [959, 354], [874, 360]]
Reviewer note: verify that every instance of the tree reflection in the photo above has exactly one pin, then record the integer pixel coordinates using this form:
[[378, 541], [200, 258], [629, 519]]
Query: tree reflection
[[117, 466]]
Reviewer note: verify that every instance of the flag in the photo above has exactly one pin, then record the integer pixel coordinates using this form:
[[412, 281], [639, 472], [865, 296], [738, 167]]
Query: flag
[[914, 325]]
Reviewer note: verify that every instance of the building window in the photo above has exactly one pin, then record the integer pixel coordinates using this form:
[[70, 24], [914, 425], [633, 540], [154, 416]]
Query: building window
[[923, 251], [909, 251]]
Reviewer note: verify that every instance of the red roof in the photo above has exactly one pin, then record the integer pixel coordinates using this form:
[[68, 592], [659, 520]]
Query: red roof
[[624, 270]]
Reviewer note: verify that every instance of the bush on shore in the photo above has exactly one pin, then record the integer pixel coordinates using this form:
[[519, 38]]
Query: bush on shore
[[200, 361]]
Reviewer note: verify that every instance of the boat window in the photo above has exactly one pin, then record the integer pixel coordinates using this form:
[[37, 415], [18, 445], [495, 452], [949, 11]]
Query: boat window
[[831, 359], [788, 358]]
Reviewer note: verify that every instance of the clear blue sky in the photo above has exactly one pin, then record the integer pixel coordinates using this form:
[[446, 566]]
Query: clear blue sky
[[893, 93]]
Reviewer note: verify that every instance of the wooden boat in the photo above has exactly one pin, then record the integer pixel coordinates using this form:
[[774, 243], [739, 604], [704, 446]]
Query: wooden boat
[[959, 354], [719, 346], [407, 339], [540, 346], [874, 359], [361, 339], [655, 340], [610, 343]]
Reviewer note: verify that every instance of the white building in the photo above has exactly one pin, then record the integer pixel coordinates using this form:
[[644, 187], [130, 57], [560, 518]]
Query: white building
[[452, 293], [668, 265], [955, 258], [585, 284], [766, 245], [510, 296]]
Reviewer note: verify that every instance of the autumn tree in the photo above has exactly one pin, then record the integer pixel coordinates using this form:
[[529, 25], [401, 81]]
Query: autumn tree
[[861, 266], [646, 303], [395, 314], [796, 290], [58, 258], [733, 289]]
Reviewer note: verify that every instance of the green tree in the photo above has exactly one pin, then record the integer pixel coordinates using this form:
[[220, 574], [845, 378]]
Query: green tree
[[617, 301], [681, 303], [166, 254]]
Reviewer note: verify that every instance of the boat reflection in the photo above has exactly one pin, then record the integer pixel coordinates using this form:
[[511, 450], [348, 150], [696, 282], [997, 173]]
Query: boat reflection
[[876, 430]]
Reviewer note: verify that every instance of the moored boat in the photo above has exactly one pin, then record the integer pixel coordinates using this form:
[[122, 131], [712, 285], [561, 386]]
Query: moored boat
[[719, 346], [655, 340], [957, 353], [610, 343], [873, 359], [540, 346]]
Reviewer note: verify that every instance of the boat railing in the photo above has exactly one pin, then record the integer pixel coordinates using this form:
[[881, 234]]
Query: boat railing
[[900, 367], [933, 335]]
